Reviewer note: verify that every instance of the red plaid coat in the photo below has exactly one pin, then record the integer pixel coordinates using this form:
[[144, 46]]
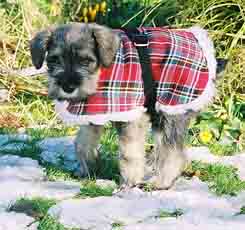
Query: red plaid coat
[[179, 68]]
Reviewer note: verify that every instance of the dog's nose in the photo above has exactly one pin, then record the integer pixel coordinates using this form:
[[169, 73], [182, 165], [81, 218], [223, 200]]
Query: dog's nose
[[68, 88]]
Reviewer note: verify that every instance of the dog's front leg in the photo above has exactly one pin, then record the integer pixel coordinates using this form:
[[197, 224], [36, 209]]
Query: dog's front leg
[[86, 142], [132, 155]]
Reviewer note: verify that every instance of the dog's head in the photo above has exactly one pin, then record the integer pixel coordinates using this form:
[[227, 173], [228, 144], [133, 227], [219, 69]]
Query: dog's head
[[74, 54]]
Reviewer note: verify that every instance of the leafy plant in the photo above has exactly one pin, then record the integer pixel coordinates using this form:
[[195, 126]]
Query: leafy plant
[[120, 13], [221, 127], [221, 179]]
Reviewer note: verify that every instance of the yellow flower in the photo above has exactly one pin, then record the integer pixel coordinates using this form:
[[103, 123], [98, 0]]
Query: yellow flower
[[103, 6], [85, 19], [85, 11], [72, 131], [90, 9], [55, 9], [97, 7], [224, 116], [93, 15], [205, 136]]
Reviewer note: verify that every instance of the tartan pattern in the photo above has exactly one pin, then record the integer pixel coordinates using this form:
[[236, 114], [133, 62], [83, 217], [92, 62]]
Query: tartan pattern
[[179, 69]]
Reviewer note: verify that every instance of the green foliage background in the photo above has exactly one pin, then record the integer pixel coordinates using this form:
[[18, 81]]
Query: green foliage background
[[224, 19]]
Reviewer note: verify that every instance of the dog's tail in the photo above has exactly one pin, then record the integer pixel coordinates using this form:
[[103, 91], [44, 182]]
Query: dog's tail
[[221, 65]]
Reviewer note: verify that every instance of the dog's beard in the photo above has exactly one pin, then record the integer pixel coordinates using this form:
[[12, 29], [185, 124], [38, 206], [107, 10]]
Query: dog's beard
[[87, 87]]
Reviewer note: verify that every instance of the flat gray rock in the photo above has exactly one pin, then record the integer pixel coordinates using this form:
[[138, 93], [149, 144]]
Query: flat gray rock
[[20, 168], [106, 183], [23, 177], [201, 209], [10, 137], [133, 208], [3, 139], [190, 223], [200, 154], [60, 152], [13, 141], [100, 213], [16, 221], [53, 190]]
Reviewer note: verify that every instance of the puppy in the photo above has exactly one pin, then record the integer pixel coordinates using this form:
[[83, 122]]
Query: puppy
[[78, 55]]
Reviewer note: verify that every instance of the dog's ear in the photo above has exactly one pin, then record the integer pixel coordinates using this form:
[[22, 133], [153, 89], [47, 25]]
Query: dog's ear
[[38, 47], [108, 43]]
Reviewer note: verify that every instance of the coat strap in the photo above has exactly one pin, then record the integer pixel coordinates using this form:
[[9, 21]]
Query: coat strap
[[141, 43]]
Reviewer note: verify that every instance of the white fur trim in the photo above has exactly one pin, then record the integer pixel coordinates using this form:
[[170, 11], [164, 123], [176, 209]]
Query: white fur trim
[[208, 94], [100, 119]]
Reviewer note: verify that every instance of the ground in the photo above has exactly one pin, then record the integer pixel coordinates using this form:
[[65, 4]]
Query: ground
[[38, 194]]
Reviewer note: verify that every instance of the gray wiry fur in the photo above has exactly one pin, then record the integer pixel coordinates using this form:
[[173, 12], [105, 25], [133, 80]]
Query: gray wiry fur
[[169, 159], [132, 154], [74, 55], [85, 144]]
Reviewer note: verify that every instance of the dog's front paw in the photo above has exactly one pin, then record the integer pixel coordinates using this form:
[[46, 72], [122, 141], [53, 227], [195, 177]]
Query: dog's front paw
[[129, 191], [161, 183]]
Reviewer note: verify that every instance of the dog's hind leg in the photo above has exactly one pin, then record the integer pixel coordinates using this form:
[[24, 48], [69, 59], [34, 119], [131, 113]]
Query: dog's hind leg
[[86, 142], [132, 154], [169, 161]]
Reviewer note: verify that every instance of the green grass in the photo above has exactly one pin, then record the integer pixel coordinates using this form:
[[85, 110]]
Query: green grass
[[242, 211], [49, 223], [38, 208], [166, 214], [55, 173], [31, 110], [117, 226], [35, 207], [90, 189], [59, 131], [107, 166], [41, 133], [222, 149], [4, 130], [223, 180]]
